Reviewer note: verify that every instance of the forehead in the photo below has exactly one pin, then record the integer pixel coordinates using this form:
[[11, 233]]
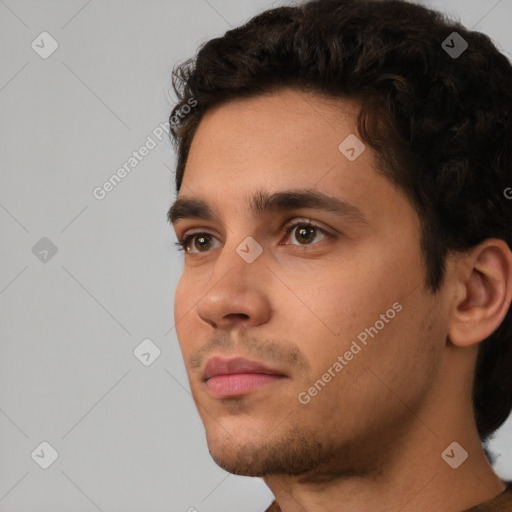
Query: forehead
[[285, 141], [283, 137]]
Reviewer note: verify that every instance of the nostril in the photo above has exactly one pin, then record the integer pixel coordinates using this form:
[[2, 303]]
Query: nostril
[[243, 315]]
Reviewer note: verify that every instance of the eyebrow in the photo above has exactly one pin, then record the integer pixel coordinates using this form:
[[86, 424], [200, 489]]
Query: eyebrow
[[264, 202]]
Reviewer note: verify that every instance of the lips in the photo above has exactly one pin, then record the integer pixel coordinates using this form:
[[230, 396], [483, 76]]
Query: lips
[[218, 366], [232, 378]]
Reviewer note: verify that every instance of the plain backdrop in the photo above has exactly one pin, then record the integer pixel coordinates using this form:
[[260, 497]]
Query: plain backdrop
[[83, 281]]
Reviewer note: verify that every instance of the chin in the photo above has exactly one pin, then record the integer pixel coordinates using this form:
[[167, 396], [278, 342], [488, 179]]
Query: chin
[[293, 452]]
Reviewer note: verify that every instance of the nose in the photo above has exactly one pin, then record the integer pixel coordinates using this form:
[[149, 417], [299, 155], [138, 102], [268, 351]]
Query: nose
[[237, 293]]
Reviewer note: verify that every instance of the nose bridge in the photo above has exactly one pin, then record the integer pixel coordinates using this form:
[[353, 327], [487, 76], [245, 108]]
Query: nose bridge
[[241, 250], [241, 260]]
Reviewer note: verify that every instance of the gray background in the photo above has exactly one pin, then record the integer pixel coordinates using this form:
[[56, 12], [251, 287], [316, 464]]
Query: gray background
[[128, 435]]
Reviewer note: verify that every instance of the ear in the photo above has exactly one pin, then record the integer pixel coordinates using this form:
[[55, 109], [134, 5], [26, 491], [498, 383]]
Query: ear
[[484, 283]]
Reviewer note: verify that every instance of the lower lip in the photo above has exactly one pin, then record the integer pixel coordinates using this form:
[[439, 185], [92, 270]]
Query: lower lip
[[224, 386]]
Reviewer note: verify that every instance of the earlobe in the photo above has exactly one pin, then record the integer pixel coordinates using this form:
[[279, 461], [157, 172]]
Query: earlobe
[[485, 278]]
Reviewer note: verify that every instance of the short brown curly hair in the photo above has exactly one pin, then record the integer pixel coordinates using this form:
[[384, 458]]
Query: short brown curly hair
[[440, 125]]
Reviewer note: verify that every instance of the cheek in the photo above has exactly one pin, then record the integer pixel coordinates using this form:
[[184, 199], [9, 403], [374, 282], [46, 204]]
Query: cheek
[[356, 291], [370, 315], [340, 302], [179, 299], [183, 315]]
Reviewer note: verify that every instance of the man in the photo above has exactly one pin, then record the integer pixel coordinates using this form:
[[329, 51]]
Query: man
[[344, 308]]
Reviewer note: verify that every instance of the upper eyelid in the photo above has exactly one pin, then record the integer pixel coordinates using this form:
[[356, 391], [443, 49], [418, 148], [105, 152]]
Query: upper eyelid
[[290, 223]]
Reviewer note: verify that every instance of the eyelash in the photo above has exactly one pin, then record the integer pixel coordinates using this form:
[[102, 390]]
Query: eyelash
[[184, 241]]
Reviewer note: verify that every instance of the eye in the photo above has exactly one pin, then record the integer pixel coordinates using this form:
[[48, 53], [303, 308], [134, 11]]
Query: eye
[[306, 233], [200, 241]]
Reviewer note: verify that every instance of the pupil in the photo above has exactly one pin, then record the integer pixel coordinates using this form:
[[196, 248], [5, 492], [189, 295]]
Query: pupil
[[200, 240], [304, 231]]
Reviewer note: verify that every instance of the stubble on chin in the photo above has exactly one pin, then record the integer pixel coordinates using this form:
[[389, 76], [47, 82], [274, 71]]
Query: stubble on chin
[[294, 453]]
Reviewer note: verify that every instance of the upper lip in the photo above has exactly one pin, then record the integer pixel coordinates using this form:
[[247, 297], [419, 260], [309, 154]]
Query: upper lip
[[219, 366]]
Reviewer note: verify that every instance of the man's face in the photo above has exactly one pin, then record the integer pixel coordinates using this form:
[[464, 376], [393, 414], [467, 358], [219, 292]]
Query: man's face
[[352, 283]]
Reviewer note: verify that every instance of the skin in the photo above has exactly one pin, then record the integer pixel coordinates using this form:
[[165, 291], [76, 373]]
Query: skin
[[372, 438]]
